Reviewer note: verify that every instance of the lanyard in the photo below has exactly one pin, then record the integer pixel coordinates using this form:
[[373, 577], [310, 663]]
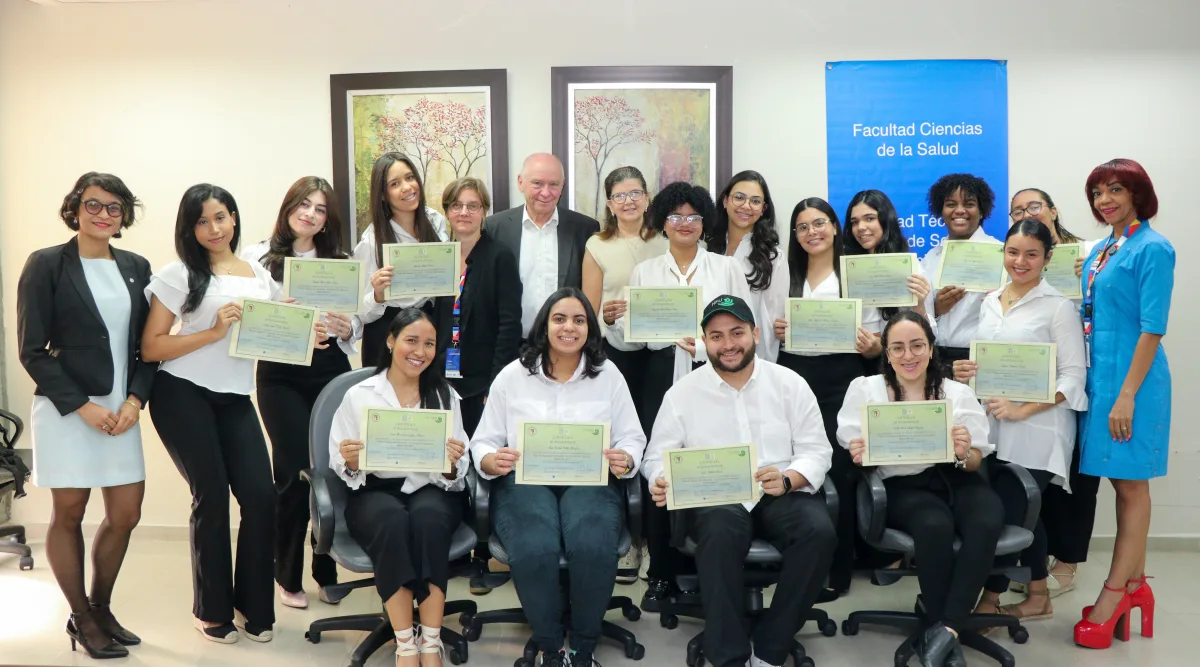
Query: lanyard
[[1098, 265], [454, 330]]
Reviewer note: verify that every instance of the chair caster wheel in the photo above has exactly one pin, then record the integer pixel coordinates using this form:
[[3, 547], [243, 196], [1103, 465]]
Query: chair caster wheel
[[829, 628], [807, 662], [697, 662], [522, 662], [26, 563], [454, 659], [465, 618], [849, 628], [899, 662], [637, 653], [632, 613], [1019, 635], [668, 621], [313, 637], [471, 632]]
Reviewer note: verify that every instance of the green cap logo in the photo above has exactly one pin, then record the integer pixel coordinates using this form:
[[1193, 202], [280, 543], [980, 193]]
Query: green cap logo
[[727, 301]]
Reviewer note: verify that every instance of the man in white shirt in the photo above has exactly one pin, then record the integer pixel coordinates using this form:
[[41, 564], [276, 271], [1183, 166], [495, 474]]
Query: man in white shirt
[[547, 240], [738, 399]]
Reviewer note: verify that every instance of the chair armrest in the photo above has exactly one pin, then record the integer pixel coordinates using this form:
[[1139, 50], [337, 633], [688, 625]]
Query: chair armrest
[[872, 507], [832, 502], [633, 505], [1033, 495], [480, 491], [10, 440], [327, 492]]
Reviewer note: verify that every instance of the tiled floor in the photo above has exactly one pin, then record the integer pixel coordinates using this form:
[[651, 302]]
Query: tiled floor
[[153, 599]]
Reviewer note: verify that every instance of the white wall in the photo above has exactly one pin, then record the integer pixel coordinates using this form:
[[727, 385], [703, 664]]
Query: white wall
[[237, 93]]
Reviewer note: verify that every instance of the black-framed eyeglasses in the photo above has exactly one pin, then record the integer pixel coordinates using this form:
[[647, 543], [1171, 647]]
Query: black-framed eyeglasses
[[740, 198], [471, 207], [1032, 210], [680, 220], [816, 226], [94, 207], [632, 195]]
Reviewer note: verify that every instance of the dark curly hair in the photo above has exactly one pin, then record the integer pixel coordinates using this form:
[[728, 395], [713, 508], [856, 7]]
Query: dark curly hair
[[677, 194], [537, 349], [69, 211], [764, 244], [971, 186], [934, 374]]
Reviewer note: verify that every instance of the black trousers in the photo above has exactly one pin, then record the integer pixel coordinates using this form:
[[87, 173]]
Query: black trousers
[[1012, 496], [217, 444], [633, 366], [286, 394], [472, 412], [798, 525], [407, 535], [934, 506], [1070, 517], [666, 562]]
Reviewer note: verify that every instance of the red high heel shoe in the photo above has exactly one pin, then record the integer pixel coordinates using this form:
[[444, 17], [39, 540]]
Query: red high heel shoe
[[1143, 598], [1100, 635]]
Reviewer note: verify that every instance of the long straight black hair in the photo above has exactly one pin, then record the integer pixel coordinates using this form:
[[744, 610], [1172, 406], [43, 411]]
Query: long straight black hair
[[764, 242], [431, 384], [893, 236], [934, 375], [381, 208], [798, 256], [193, 255], [537, 350]]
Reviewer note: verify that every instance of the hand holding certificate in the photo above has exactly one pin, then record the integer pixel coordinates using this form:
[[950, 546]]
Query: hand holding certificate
[[975, 266], [879, 281], [1016, 371], [1060, 272], [706, 477], [662, 314], [273, 331], [823, 325], [330, 285], [422, 269], [562, 454], [907, 433], [403, 440]]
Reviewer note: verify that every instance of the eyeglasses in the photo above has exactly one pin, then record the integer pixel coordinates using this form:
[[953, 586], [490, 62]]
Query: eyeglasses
[[816, 226], [632, 195], [918, 349], [1031, 210], [680, 220], [740, 198], [94, 207], [471, 207]]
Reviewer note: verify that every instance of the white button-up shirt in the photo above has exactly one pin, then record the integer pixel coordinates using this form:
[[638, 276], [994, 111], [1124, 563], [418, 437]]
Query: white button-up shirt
[[538, 266], [956, 327], [775, 410], [377, 392], [517, 396], [365, 251], [1046, 440], [769, 304], [965, 409]]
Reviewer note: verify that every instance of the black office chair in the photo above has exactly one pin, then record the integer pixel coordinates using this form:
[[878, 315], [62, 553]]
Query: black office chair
[[473, 626], [327, 500], [12, 536], [872, 514], [762, 570]]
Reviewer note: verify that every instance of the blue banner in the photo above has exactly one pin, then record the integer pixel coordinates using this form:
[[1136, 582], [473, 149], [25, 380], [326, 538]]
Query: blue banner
[[898, 126]]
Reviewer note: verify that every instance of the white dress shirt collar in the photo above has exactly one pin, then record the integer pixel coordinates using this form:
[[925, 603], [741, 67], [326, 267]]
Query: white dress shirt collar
[[527, 220]]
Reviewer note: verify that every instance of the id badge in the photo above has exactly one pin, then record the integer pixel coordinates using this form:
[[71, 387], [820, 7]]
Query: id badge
[[453, 363]]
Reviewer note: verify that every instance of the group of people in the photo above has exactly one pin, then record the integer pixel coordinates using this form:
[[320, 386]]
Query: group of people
[[537, 333]]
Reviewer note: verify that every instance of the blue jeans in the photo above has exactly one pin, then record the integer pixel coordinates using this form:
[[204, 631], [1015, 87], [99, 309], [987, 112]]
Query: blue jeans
[[538, 525]]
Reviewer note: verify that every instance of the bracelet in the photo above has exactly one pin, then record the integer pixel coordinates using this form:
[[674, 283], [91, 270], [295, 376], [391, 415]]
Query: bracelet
[[135, 405]]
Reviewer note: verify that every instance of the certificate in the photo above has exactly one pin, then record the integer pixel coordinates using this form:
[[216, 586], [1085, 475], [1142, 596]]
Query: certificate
[[562, 453], [422, 269], [907, 433], [708, 476], [330, 285], [880, 281], [1016, 371], [273, 331], [977, 266], [396, 439], [662, 314], [822, 325], [1060, 272]]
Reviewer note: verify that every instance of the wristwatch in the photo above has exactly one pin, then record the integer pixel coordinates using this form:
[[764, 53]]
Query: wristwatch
[[787, 483], [961, 464]]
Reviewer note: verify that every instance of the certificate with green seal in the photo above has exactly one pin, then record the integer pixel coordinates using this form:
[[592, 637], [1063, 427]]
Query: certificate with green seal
[[562, 453], [1017, 371], [880, 281], [976, 266], [662, 314], [422, 269], [907, 433], [823, 325], [329, 285], [709, 476], [1060, 271], [403, 440], [274, 331]]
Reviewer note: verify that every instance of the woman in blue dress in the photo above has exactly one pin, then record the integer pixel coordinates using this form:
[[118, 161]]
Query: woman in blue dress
[[1127, 282]]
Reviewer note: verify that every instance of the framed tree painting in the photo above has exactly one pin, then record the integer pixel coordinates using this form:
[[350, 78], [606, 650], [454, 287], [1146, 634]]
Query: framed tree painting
[[672, 123], [451, 123]]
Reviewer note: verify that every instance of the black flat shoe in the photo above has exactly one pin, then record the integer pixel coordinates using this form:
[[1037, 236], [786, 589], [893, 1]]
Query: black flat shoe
[[97, 652], [109, 624], [658, 591], [936, 645]]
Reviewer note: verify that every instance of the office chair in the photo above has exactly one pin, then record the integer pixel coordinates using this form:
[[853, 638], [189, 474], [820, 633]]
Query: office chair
[[872, 514], [327, 500], [10, 431], [762, 570], [473, 626]]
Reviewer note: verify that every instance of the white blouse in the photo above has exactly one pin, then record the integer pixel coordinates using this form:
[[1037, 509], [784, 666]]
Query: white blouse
[[770, 304], [873, 389], [714, 274], [956, 327], [1046, 440], [830, 288], [518, 396], [377, 392], [365, 251], [873, 321], [211, 366]]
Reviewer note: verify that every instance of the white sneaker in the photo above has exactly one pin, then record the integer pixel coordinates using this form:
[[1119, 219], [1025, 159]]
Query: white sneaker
[[293, 600], [644, 569], [628, 566]]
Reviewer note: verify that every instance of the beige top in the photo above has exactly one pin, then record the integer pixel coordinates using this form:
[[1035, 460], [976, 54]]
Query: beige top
[[616, 257]]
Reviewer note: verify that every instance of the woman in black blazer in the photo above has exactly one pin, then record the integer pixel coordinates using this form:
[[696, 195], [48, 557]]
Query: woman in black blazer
[[80, 313], [484, 323]]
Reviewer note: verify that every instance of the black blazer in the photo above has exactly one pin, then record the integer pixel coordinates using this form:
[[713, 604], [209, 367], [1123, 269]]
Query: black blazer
[[61, 336], [490, 321], [574, 230]]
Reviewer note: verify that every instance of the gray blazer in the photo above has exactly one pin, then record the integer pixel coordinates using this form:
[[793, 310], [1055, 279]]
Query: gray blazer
[[574, 230]]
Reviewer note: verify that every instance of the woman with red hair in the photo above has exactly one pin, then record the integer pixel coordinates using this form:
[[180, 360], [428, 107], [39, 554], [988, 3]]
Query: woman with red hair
[[1127, 285]]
